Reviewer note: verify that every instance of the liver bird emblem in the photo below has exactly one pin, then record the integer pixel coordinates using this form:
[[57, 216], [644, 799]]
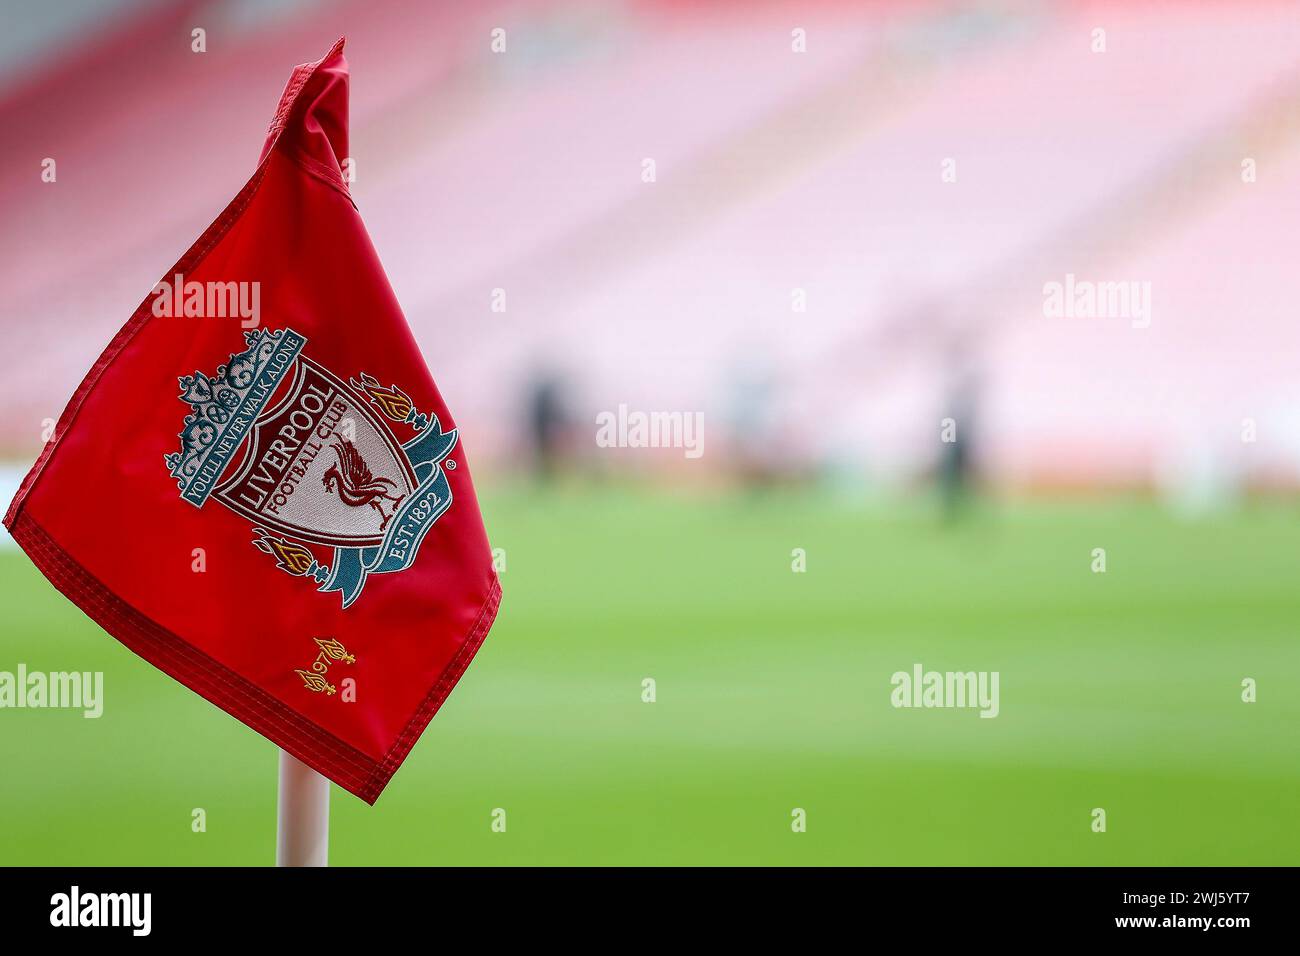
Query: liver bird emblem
[[355, 485]]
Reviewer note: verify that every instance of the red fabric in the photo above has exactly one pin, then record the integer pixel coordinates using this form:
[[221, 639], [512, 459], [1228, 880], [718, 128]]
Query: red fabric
[[102, 516]]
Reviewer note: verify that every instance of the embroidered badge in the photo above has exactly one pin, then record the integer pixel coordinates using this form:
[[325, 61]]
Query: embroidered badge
[[319, 468]]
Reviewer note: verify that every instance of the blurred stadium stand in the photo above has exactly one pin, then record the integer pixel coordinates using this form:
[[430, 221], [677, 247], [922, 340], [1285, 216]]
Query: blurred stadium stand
[[775, 171]]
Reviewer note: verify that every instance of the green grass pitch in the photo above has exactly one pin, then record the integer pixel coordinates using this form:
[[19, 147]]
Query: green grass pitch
[[1119, 690]]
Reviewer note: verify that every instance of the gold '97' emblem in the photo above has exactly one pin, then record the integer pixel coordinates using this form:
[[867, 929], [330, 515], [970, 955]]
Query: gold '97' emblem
[[314, 677]]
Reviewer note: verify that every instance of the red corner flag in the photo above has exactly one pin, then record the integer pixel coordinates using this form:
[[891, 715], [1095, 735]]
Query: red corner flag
[[293, 534]]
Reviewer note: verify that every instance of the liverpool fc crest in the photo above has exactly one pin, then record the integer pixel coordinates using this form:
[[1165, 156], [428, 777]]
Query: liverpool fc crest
[[313, 462]]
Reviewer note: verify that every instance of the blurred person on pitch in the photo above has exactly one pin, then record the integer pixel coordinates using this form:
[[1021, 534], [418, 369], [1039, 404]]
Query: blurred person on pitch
[[958, 431], [546, 421], [750, 415]]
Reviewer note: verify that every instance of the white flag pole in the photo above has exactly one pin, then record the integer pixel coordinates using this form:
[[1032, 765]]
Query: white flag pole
[[302, 833]]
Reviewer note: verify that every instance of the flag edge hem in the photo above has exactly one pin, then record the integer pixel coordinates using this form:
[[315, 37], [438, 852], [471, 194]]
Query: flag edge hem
[[364, 776]]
